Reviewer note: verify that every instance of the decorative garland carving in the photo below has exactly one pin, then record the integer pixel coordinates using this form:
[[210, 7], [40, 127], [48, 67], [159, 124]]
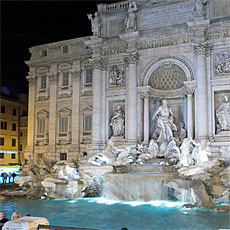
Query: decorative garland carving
[[98, 63], [76, 74], [202, 49], [31, 79]]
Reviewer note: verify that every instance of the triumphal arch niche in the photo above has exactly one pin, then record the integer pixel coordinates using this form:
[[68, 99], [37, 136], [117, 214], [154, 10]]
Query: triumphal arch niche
[[166, 78]]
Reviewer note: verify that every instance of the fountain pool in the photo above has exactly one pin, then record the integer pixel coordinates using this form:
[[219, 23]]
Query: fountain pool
[[110, 215]]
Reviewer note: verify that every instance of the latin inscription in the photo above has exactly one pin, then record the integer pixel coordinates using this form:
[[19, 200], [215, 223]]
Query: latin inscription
[[165, 16]]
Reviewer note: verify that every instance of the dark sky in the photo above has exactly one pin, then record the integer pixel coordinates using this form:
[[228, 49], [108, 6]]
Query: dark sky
[[29, 23]]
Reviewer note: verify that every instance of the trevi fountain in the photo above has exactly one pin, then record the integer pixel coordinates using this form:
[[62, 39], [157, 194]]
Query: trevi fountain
[[137, 112]]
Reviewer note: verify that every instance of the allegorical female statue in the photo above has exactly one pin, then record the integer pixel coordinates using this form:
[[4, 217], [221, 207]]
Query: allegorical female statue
[[223, 115], [164, 117], [130, 22], [118, 122]]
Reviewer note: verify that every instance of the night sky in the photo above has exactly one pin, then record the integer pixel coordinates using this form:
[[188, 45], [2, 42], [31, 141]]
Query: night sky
[[29, 23]]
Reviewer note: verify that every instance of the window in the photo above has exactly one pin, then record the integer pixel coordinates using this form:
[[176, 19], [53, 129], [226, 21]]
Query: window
[[14, 127], [63, 156], [41, 125], [3, 109], [65, 49], [43, 53], [87, 122], [14, 111], [13, 156], [63, 124], [43, 82], [2, 140], [13, 142], [21, 134], [20, 147], [88, 76], [1, 155], [3, 125], [65, 79]]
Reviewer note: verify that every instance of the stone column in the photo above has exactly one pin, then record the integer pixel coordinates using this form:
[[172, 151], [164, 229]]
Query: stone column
[[201, 90], [190, 113], [76, 76], [52, 109], [146, 117], [98, 64], [31, 111], [103, 110], [131, 61]]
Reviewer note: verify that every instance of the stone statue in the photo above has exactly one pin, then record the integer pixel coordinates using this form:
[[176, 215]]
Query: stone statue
[[118, 122], [95, 24], [223, 115], [130, 22], [198, 10], [123, 156], [222, 63], [165, 122], [201, 152], [185, 156]]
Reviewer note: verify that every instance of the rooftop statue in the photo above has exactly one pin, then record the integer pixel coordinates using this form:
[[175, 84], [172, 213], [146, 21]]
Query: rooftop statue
[[223, 115], [198, 9], [95, 24], [130, 22], [118, 122], [164, 117]]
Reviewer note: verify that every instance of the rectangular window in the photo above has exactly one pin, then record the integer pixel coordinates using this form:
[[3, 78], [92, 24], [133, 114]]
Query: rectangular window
[[21, 134], [87, 122], [43, 82], [13, 142], [65, 79], [41, 125], [14, 111], [2, 141], [3, 109], [63, 124], [1, 155], [14, 127], [88, 76], [13, 156], [43, 53], [63, 156], [65, 49], [20, 147], [4, 125]]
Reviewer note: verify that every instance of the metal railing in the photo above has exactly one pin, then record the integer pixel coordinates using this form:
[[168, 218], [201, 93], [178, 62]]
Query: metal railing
[[40, 226]]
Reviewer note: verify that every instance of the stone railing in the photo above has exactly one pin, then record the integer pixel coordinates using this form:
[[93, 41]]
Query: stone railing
[[117, 6]]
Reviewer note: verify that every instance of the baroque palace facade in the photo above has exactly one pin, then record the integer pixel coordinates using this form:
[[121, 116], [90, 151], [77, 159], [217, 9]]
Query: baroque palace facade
[[140, 53]]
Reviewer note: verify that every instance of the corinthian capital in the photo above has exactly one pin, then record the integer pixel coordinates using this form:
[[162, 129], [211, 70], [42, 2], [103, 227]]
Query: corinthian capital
[[53, 76], [202, 49], [31, 79], [132, 58], [98, 63], [76, 74]]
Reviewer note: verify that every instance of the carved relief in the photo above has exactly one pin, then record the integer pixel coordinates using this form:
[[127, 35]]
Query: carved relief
[[223, 115], [222, 62], [98, 63], [31, 80], [117, 77], [76, 74]]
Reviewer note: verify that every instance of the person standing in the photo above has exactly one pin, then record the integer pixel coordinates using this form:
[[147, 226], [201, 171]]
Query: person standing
[[3, 220], [13, 175]]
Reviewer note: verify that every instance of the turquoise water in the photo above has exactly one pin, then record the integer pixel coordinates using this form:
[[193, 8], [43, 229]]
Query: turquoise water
[[110, 215]]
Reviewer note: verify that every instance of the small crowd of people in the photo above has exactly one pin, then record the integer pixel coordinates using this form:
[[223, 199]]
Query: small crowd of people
[[14, 216], [4, 176]]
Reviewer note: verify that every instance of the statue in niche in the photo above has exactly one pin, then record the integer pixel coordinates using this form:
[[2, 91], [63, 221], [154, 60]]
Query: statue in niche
[[198, 9], [95, 24], [223, 115], [130, 21], [164, 117], [118, 122], [116, 76]]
